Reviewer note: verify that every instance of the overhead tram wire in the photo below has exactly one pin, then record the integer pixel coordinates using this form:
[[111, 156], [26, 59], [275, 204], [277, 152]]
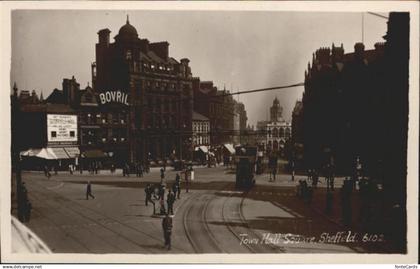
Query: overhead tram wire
[[261, 90], [204, 99]]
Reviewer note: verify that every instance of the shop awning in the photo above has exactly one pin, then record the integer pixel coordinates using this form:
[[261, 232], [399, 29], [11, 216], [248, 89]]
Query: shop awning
[[43, 153], [29, 152], [230, 148], [94, 153], [59, 153], [73, 152], [204, 149]]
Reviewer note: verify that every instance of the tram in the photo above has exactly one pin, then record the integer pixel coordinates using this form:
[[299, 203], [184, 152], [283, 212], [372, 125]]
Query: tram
[[245, 160]]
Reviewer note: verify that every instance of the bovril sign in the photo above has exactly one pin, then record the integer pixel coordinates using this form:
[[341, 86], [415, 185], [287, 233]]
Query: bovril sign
[[113, 97]]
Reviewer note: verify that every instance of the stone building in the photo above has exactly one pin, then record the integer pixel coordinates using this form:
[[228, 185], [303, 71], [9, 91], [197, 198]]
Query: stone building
[[274, 133], [158, 90], [227, 116], [200, 130]]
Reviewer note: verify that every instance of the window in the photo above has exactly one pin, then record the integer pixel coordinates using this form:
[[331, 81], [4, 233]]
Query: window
[[128, 55], [53, 134], [88, 98], [282, 132], [72, 134], [115, 118]]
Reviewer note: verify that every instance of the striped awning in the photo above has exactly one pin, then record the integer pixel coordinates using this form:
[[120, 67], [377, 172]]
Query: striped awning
[[60, 153], [230, 148], [73, 152]]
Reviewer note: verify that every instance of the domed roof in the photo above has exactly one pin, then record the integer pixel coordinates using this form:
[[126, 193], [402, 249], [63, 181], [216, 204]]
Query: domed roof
[[127, 30]]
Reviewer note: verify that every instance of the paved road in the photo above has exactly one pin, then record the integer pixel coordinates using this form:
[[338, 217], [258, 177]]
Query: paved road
[[212, 218]]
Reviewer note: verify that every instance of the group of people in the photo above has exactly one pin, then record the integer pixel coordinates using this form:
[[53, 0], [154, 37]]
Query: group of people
[[367, 191], [157, 193], [139, 169]]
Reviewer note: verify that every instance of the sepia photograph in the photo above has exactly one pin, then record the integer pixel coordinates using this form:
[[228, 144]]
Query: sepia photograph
[[174, 130]]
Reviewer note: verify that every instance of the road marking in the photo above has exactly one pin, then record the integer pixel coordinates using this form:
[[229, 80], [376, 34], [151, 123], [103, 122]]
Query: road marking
[[232, 192]]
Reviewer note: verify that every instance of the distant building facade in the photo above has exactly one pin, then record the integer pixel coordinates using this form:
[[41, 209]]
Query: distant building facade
[[227, 117], [201, 130], [273, 134]]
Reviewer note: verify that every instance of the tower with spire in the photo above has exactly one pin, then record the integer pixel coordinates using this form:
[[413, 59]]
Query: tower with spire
[[276, 111]]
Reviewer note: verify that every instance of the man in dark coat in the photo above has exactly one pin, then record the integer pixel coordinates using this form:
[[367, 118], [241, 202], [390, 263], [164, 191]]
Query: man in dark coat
[[167, 230], [89, 191], [149, 191], [178, 185], [162, 175], [170, 200]]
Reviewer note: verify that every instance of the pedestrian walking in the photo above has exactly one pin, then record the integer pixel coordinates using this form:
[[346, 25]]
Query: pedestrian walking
[[162, 206], [175, 189], [149, 191], [274, 171], [170, 200], [167, 230], [126, 170], [162, 174], [178, 186], [89, 191], [140, 170], [47, 172], [161, 192]]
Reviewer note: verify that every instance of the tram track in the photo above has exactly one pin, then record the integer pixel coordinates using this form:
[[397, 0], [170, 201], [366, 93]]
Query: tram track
[[192, 239], [105, 217]]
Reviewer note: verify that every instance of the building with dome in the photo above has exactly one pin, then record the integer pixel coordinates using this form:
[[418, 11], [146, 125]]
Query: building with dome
[[157, 92], [274, 133]]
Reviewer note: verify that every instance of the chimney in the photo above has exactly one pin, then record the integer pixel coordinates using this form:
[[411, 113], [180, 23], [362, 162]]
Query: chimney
[[104, 37]]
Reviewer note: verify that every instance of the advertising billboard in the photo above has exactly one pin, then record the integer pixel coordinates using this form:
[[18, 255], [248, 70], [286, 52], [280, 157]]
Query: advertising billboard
[[62, 129]]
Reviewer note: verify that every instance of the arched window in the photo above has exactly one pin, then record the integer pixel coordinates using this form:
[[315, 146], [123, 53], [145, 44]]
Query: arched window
[[275, 132], [288, 132], [282, 132]]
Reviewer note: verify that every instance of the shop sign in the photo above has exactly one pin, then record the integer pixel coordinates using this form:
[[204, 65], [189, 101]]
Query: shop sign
[[62, 128], [113, 97]]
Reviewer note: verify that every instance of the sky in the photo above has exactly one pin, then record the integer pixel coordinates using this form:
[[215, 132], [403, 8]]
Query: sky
[[241, 50]]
